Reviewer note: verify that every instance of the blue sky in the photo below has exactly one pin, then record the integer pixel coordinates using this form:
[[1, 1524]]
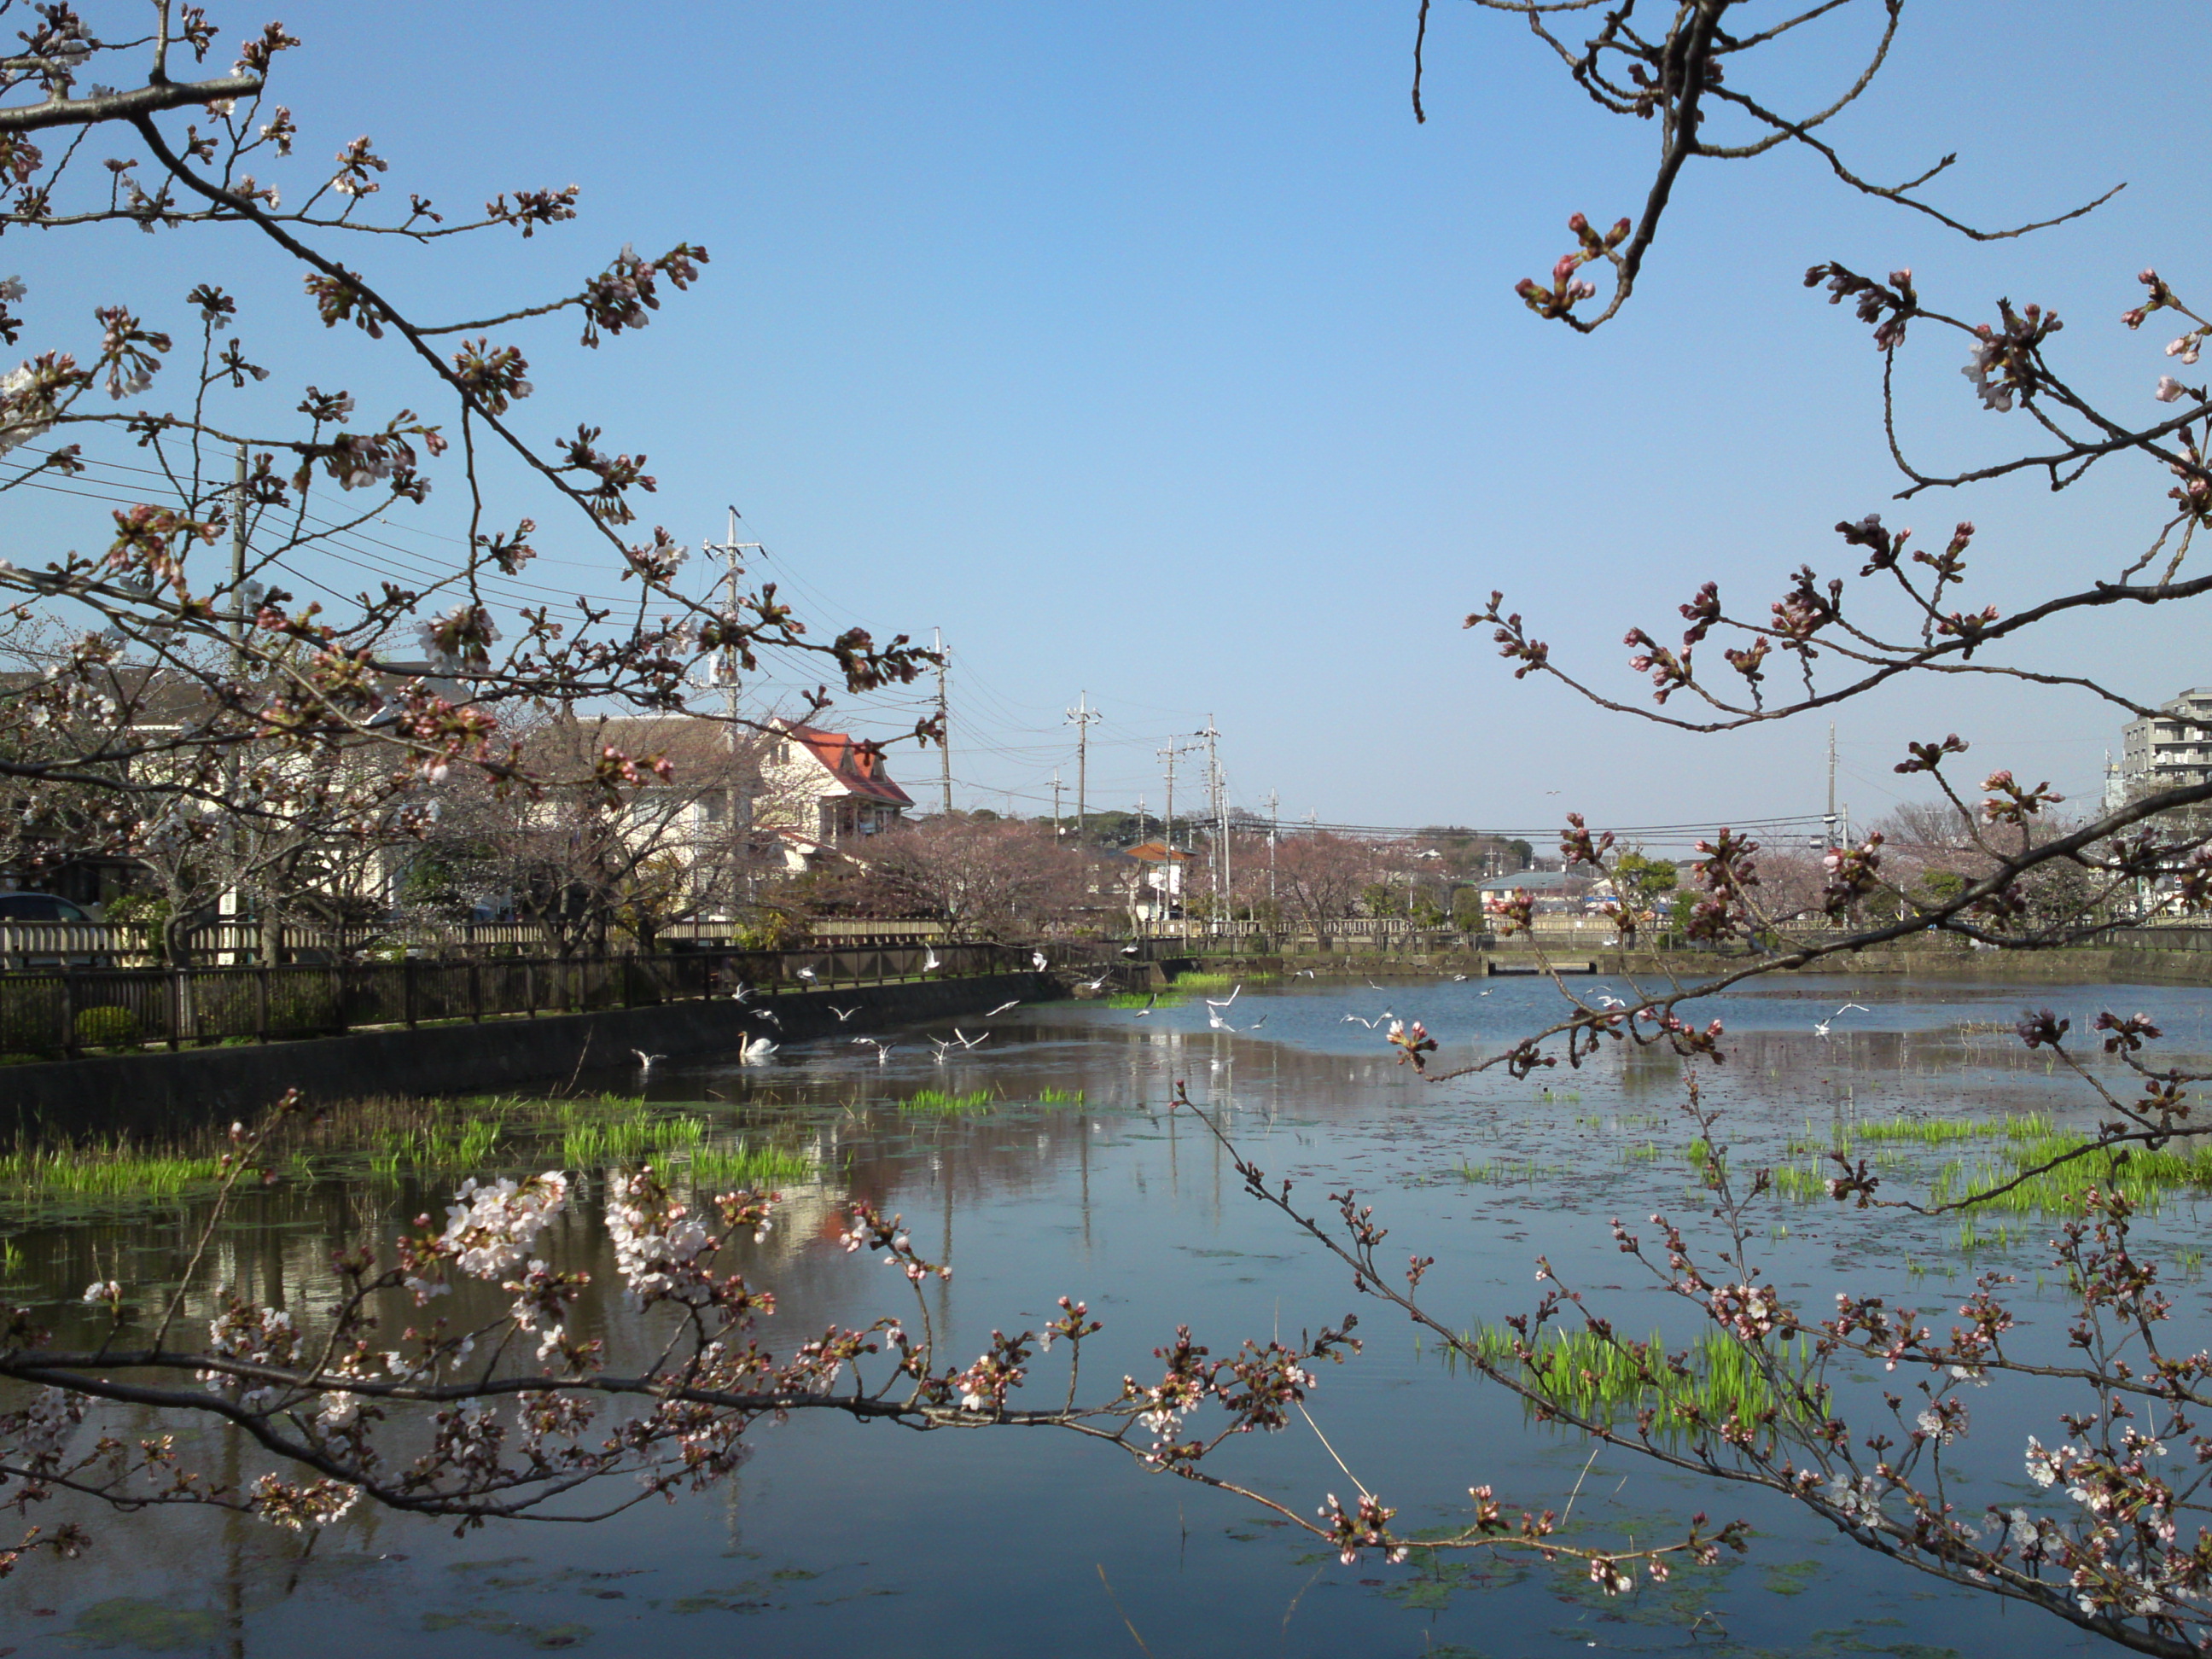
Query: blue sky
[[1153, 350]]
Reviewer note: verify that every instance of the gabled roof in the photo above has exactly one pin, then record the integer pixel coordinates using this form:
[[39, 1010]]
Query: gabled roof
[[856, 766], [1152, 852]]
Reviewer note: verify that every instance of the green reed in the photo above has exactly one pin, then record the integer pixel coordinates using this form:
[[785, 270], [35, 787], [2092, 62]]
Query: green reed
[[1050, 1096], [1144, 999], [99, 1173], [1596, 1377], [938, 1102], [723, 1168], [619, 1130]]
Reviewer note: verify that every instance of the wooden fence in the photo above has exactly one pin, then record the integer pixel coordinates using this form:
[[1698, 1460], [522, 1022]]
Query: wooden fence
[[67, 1011]]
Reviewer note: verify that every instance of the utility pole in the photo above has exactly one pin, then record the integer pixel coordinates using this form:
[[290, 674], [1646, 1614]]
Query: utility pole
[[727, 670], [1056, 830], [1218, 811], [238, 569], [944, 725], [1830, 822], [1273, 829], [1082, 717]]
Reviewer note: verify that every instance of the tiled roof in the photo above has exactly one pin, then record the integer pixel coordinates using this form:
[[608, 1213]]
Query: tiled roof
[[855, 765], [1152, 852]]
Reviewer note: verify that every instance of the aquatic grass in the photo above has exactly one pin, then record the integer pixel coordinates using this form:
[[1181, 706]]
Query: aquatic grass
[[2144, 1177], [1143, 1000], [937, 1103], [723, 1168], [1598, 1378], [1504, 1172], [617, 1130], [1217, 981], [99, 1173], [1051, 1097]]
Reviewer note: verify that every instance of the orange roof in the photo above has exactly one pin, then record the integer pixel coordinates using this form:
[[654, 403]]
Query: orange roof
[[858, 765], [1152, 852]]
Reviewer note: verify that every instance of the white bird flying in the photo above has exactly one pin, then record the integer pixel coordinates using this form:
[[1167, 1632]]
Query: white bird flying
[[1131, 950], [1371, 1025], [1003, 1007], [644, 1060], [1605, 999], [843, 1014], [1257, 1024], [1098, 984], [1371, 984], [1147, 1008], [806, 975], [744, 993], [883, 1049], [943, 1045], [769, 1015], [1226, 1000], [1036, 960], [930, 964], [755, 1052], [967, 1041], [1459, 979], [1821, 1029]]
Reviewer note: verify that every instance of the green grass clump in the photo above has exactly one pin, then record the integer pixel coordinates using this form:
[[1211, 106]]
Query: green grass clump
[[1217, 981], [2145, 1177], [1598, 1378], [1144, 999], [937, 1102], [724, 1168], [1504, 1172], [614, 1130], [37, 1178], [1049, 1096]]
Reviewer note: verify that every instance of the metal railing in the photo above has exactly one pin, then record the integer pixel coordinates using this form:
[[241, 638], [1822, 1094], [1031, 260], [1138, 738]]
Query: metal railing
[[68, 1011], [50, 944]]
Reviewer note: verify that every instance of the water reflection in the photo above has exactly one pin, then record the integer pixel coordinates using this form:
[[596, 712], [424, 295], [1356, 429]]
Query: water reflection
[[1074, 1176]]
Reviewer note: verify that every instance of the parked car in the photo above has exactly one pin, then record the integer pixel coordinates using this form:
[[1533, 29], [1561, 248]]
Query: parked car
[[34, 907]]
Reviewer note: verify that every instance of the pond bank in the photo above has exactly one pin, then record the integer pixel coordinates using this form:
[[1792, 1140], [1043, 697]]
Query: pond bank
[[159, 1093], [2080, 965]]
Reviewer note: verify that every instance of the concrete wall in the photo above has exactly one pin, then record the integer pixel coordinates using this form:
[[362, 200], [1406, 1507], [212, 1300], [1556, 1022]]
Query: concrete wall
[[148, 1093]]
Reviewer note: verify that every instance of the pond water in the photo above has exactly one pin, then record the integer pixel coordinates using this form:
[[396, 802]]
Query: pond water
[[1073, 1178]]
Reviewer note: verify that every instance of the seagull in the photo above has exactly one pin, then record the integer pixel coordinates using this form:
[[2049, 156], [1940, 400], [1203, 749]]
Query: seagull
[[930, 964], [1821, 1029], [1003, 1007], [1226, 1000], [1147, 1008], [1097, 984], [806, 975], [1459, 979], [942, 1045], [644, 1060], [967, 1041], [1606, 1000], [1371, 984], [1036, 960], [744, 993], [1257, 1024], [1369, 1023], [755, 1052], [769, 1015], [1131, 950], [843, 1014], [883, 1049], [1214, 1020]]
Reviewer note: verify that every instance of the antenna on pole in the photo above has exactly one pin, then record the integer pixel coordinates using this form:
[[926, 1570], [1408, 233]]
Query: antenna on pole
[[1082, 716], [1275, 822], [1057, 830], [726, 666], [1829, 825]]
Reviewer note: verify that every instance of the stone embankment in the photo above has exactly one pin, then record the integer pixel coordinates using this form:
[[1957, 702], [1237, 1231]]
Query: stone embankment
[[157, 1092]]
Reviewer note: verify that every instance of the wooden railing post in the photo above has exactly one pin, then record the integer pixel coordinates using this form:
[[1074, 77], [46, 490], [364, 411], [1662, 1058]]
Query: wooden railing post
[[407, 990], [261, 1003], [69, 1010], [476, 994]]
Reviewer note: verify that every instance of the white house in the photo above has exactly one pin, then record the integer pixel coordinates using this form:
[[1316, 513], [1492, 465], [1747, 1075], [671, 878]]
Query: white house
[[821, 790]]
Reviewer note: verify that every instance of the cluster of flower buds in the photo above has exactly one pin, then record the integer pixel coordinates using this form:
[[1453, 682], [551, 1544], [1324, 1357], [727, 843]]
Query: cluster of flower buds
[[1411, 1042], [1889, 309], [1567, 289], [2001, 361]]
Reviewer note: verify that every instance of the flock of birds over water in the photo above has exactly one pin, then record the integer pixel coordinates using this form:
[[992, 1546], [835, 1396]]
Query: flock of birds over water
[[756, 1049]]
